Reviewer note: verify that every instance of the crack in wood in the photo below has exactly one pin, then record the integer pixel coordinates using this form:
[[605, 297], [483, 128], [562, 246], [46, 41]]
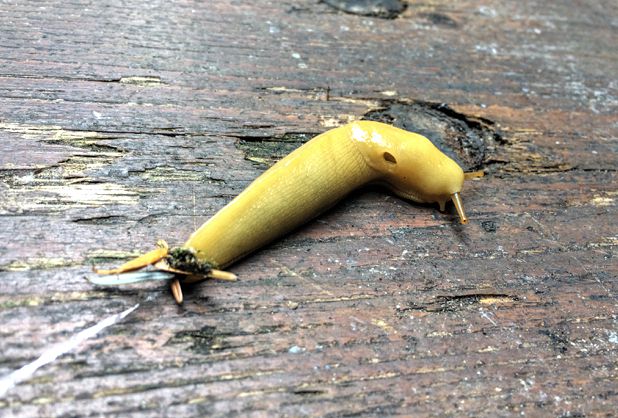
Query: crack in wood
[[385, 9], [101, 220], [455, 303]]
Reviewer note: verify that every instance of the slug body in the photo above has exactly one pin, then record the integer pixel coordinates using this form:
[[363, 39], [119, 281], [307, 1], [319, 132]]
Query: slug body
[[296, 189], [316, 176]]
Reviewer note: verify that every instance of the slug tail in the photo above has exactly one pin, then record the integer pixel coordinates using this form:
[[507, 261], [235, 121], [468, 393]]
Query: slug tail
[[180, 263]]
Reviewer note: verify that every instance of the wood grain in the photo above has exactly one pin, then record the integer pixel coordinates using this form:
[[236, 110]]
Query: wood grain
[[124, 123]]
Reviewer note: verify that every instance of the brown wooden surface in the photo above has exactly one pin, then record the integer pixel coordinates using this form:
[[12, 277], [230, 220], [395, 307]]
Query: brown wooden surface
[[125, 122]]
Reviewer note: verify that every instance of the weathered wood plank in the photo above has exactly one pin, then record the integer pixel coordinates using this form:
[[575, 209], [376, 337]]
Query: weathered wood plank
[[124, 123]]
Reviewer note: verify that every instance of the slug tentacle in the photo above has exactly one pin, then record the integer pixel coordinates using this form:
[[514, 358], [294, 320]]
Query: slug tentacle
[[463, 219], [306, 183]]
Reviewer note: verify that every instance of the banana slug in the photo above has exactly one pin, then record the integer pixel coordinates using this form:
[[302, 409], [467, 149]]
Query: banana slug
[[304, 184]]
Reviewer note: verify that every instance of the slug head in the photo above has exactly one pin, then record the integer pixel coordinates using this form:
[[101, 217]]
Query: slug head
[[410, 165]]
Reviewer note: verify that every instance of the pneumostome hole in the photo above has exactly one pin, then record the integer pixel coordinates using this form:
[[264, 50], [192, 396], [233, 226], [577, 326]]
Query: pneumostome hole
[[388, 157]]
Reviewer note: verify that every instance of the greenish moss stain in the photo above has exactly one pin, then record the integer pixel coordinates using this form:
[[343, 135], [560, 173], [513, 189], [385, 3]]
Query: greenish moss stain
[[177, 383], [167, 174], [267, 151], [37, 264], [144, 81], [16, 301]]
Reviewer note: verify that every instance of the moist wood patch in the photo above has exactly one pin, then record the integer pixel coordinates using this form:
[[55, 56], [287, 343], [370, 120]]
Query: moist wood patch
[[471, 141]]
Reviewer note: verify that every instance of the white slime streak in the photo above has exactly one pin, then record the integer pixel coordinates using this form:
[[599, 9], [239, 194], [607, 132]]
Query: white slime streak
[[9, 381]]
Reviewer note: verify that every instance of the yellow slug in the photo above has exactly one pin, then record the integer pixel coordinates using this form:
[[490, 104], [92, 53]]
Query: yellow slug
[[307, 182]]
